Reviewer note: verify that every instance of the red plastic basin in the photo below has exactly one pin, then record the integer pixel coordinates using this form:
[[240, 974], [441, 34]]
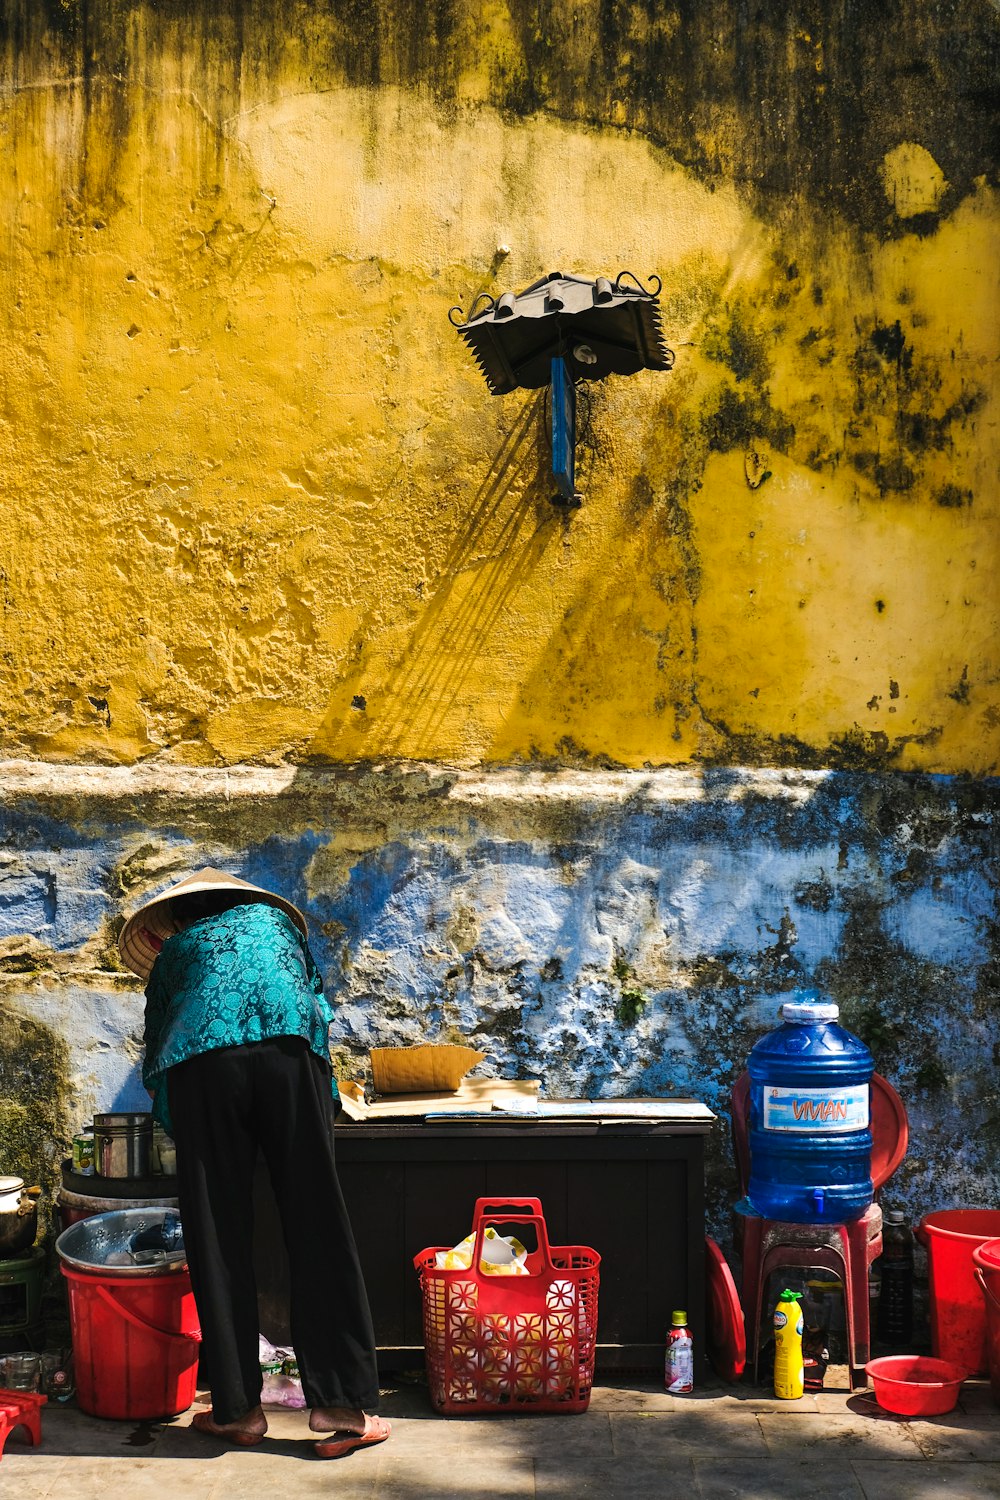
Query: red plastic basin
[[913, 1385]]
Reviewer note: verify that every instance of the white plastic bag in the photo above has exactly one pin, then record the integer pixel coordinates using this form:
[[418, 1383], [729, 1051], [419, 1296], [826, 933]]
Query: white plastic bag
[[503, 1255]]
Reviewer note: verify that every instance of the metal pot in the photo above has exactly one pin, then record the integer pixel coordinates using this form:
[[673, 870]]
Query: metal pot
[[18, 1216], [123, 1145]]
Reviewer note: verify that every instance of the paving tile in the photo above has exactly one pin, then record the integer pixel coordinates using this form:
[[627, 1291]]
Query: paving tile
[[185, 1443], [957, 1436], [419, 1435], [848, 1437], [864, 1406], [67, 1430], [139, 1479], [775, 1479], [432, 1476], [585, 1435], [617, 1398], [748, 1399], [691, 1431], [638, 1477], [296, 1475], [29, 1475], [840, 1400], [888, 1481]]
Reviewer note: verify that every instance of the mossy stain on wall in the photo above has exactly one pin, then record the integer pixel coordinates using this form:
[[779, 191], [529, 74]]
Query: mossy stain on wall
[[34, 1100], [785, 97]]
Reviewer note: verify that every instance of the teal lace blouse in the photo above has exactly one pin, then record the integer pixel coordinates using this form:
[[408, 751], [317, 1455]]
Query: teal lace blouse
[[239, 977]]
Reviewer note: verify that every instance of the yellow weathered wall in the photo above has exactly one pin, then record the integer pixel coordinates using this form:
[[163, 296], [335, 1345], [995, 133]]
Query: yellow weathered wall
[[259, 506]]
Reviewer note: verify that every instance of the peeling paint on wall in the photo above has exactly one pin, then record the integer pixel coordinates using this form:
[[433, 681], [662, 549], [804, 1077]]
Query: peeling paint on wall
[[607, 933]]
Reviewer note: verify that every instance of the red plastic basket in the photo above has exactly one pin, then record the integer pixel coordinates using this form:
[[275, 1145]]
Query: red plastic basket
[[511, 1343]]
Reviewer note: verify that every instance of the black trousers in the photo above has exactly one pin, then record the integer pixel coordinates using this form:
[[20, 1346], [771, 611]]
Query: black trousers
[[275, 1096]]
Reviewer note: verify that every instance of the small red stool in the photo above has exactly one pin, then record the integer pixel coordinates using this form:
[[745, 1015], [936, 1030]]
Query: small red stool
[[21, 1409], [847, 1250]]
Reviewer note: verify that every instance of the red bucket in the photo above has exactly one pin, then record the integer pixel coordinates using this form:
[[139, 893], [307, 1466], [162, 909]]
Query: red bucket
[[987, 1267], [135, 1343], [958, 1317]]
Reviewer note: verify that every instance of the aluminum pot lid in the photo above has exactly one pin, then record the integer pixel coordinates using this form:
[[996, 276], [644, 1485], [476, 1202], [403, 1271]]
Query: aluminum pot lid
[[10, 1185]]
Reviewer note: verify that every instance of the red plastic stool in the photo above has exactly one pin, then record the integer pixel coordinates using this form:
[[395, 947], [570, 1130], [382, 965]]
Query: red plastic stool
[[21, 1409], [847, 1250]]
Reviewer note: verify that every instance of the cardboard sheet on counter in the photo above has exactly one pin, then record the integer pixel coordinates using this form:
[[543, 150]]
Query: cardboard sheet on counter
[[473, 1096]]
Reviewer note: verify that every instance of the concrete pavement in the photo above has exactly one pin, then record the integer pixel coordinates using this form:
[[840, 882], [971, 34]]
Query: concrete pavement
[[635, 1443]]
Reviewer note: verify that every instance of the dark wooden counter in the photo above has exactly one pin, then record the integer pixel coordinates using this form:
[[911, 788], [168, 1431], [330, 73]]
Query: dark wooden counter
[[633, 1191]]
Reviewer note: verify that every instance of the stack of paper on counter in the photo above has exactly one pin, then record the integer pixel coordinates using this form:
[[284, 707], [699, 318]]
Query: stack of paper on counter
[[474, 1096], [688, 1111]]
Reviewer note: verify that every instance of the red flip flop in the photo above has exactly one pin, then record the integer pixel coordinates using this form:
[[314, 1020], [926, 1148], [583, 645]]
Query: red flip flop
[[376, 1430]]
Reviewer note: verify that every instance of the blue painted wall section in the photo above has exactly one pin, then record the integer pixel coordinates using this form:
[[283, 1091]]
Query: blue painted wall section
[[630, 935]]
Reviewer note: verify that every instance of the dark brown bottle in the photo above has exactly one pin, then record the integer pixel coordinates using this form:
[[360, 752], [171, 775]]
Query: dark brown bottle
[[895, 1302]]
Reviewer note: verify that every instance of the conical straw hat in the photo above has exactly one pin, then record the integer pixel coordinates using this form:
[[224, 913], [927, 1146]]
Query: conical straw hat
[[139, 954]]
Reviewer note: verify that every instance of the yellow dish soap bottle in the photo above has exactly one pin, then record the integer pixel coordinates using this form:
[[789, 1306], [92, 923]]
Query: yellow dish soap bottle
[[789, 1381]]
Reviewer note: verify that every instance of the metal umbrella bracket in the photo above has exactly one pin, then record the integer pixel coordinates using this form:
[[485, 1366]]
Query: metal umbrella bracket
[[558, 332]]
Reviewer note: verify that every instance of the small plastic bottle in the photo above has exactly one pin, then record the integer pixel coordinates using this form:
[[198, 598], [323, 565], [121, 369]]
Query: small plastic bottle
[[895, 1303], [678, 1368], [789, 1366]]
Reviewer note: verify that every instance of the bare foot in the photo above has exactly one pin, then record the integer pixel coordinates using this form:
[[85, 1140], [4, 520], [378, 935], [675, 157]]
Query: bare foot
[[245, 1432], [337, 1419]]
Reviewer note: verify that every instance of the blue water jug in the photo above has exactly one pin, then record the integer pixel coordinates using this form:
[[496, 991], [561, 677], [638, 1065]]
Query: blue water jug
[[810, 1135]]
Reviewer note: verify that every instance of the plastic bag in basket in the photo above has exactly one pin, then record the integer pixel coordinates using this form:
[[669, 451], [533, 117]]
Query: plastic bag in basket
[[503, 1255]]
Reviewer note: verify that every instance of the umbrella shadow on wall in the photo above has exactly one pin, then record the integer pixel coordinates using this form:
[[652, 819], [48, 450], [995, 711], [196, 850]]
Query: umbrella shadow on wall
[[508, 527]]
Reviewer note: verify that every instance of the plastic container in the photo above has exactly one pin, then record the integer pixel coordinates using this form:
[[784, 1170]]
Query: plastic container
[[789, 1366], [986, 1263], [911, 1385], [135, 1343], [511, 1343], [895, 1306], [810, 1104], [958, 1312]]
